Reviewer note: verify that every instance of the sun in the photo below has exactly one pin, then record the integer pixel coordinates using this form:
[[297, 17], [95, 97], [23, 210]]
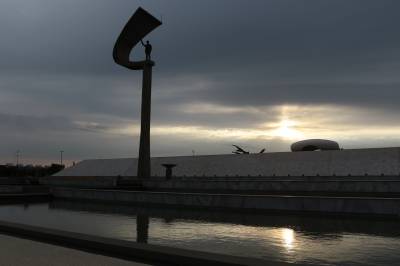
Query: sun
[[285, 130]]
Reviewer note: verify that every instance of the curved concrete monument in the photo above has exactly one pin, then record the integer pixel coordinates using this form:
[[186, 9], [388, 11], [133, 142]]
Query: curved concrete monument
[[139, 25], [315, 144]]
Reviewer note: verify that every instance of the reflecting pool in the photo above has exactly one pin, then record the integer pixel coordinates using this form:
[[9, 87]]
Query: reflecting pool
[[318, 240]]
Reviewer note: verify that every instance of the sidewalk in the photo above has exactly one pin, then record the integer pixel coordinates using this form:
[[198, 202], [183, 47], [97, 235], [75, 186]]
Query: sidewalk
[[21, 252]]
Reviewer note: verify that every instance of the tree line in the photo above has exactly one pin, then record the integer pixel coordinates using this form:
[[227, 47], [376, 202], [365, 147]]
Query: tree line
[[29, 170]]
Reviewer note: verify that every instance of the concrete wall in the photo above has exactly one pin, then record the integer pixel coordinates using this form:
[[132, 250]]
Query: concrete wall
[[357, 162], [12, 181], [80, 181], [11, 189], [23, 189], [261, 186], [334, 205]]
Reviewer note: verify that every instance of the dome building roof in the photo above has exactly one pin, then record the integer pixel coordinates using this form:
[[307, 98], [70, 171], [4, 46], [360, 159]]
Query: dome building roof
[[315, 144]]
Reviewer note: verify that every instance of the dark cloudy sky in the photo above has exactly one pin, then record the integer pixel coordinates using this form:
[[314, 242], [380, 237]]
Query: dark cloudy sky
[[259, 73]]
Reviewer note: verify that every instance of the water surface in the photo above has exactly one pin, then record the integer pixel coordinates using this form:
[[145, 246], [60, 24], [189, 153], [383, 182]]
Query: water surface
[[312, 239]]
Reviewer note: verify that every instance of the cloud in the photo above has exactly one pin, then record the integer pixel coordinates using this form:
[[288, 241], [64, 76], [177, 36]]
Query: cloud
[[260, 73]]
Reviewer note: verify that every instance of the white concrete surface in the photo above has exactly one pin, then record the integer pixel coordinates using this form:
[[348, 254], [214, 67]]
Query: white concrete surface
[[354, 162], [22, 252]]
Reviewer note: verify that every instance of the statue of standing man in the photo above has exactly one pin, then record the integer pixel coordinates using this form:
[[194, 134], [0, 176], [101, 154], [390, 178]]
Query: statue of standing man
[[147, 49]]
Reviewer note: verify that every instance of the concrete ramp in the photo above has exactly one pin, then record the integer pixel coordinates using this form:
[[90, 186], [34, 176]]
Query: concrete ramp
[[356, 162]]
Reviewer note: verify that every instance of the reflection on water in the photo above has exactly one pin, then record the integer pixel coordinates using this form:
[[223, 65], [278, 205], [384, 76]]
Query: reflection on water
[[288, 238], [311, 239], [142, 228]]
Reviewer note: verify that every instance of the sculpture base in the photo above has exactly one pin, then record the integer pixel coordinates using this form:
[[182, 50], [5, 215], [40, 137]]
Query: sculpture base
[[139, 65]]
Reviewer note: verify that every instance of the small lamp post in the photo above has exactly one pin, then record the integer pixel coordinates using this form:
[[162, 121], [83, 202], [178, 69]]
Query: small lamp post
[[61, 157], [17, 154]]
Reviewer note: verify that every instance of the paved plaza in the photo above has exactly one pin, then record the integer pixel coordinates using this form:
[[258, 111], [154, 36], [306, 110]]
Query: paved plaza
[[20, 252]]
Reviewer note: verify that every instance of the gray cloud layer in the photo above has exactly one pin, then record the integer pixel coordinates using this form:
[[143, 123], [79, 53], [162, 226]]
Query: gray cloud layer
[[57, 73]]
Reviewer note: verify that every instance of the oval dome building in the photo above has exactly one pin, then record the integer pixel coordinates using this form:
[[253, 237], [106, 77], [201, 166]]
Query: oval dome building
[[314, 145]]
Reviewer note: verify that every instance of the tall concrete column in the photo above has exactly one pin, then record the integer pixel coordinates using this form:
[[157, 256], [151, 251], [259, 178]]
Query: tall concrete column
[[139, 25], [143, 170]]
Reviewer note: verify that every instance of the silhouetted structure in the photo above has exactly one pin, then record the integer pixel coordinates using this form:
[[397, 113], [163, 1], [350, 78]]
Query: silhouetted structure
[[29, 170], [138, 26], [241, 151], [168, 169], [147, 49], [314, 145]]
